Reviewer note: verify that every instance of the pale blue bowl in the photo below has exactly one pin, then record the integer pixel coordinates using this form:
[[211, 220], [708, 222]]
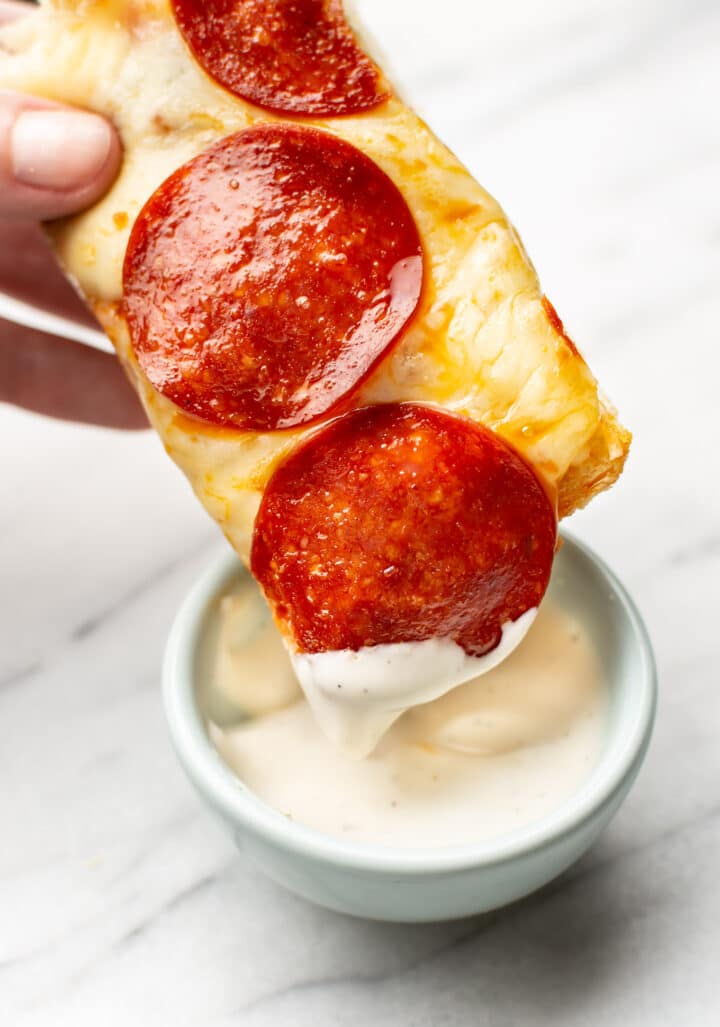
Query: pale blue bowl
[[438, 884]]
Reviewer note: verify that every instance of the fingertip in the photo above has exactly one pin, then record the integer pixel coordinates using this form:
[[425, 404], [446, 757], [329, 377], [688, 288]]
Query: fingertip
[[56, 160], [58, 151], [11, 10]]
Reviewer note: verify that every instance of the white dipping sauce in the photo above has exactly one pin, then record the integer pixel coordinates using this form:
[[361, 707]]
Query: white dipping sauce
[[355, 716], [491, 756]]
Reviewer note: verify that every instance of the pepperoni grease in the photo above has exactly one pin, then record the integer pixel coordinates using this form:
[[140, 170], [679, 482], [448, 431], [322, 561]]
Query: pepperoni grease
[[266, 277], [294, 57], [399, 523]]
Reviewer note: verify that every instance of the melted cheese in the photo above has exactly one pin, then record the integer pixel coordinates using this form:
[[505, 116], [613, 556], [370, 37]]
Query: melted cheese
[[482, 344]]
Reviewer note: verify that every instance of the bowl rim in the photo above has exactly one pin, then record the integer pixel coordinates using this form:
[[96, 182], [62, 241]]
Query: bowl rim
[[225, 792]]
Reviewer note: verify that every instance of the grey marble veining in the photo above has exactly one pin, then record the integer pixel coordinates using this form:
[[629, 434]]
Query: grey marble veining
[[120, 900]]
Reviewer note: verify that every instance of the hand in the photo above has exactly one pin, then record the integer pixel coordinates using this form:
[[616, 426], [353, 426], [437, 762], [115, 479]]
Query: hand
[[53, 161]]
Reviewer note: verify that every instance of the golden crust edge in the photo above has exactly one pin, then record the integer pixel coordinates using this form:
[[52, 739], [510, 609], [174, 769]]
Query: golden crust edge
[[606, 454]]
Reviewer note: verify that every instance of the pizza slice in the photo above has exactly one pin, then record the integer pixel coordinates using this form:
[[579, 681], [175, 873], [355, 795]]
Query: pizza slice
[[335, 331]]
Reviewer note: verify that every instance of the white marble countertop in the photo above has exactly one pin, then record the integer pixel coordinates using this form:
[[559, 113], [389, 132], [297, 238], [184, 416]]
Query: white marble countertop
[[121, 902]]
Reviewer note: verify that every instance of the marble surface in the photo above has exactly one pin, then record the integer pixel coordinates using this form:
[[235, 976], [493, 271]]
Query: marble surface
[[121, 902]]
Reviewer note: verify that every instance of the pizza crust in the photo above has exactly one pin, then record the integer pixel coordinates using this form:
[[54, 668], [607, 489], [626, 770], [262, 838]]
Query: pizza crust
[[482, 344]]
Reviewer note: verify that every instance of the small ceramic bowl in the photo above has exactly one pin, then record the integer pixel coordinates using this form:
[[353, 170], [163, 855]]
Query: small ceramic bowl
[[438, 884]]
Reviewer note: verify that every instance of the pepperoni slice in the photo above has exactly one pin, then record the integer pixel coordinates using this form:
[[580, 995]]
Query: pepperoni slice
[[265, 278], [399, 523], [289, 56]]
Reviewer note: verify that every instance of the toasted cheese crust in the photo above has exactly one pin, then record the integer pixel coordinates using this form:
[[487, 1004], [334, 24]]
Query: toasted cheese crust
[[484, 344]]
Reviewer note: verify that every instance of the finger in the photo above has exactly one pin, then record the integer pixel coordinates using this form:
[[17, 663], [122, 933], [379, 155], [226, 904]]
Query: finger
[[65, 380], [12, 9], [30, 272], [54, 160]]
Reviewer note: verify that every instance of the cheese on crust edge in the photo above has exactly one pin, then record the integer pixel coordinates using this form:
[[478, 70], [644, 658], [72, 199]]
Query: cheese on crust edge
[[484, 344]]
